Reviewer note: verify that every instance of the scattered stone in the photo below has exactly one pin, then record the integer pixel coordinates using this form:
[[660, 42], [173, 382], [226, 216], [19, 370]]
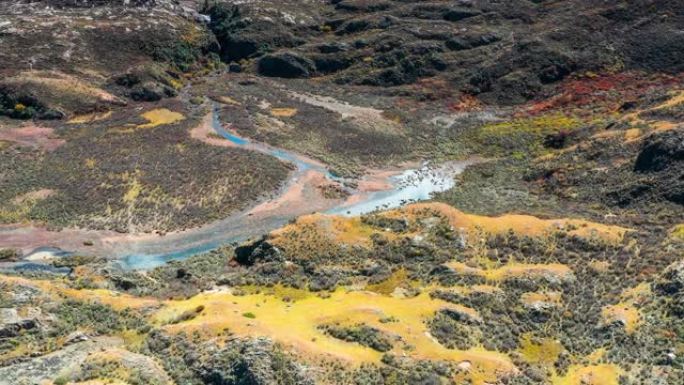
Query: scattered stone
[[76, 337]]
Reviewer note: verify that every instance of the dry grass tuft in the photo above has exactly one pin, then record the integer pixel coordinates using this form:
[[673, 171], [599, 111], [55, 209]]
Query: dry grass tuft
[[519, 224]]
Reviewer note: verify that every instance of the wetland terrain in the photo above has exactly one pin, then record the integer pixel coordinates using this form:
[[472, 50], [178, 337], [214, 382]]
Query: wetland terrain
[[341, 192]]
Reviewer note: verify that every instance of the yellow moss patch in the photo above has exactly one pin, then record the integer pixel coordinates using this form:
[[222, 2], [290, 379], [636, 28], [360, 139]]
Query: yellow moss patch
[[160, 117], [133, 192], [624, 313], [656, 125], [599, 266], [542, 351], [632, 134], [228, 100], [466, 290], [676, 99], [596, 356], [677, 232], [515, 270], [89, 118], [319, 232], [519, 224], [278, 291], [552, 297], [590, 375], [296, 325], [18, 209], [284, 112], [538, 125], [388, 286]]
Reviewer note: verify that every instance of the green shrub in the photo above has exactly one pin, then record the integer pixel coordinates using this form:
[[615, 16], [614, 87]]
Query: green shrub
[[9, 254]]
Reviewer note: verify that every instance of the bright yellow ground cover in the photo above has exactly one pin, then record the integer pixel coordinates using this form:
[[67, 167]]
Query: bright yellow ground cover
[[159, 117], [520, 224], [296, 325], [515, 270]]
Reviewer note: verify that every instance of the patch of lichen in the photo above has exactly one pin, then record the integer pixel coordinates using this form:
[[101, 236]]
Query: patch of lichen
[[313, 234], [300, 325], [521, 137], [677, 232], [540, 351], [388, 286]]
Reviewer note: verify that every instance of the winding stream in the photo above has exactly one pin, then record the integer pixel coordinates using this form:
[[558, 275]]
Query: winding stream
[[400, 187]]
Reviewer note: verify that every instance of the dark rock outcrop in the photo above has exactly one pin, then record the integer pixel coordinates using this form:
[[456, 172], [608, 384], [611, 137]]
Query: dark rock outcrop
[[661, 152], [259, 251], [242, 36], [251, 362], [661, 161], [151, 92], [286, 65], [671, 281], [15, 328]]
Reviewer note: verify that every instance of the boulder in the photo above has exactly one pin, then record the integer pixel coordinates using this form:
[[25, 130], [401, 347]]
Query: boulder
[[151, 92], [286, 65], [259, 251], [76, 337], [661, 162], [660, 151], [243, 33]]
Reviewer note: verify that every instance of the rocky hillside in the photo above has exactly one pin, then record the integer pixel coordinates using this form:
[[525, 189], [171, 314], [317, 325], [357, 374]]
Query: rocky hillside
[[503, 52]]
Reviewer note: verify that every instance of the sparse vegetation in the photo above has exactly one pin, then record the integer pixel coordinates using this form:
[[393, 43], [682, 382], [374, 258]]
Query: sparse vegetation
[[555, 259]]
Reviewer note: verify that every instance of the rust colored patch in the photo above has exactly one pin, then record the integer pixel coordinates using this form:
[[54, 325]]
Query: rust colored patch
[[32, 135]]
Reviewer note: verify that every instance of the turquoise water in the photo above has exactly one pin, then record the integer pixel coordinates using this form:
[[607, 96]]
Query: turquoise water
[[408, 186], [150, 261], [300, 162]]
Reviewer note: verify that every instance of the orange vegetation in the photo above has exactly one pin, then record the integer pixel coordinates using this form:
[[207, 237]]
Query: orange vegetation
[[519, 224], [284, 112], [515, 270], [320, 232]]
